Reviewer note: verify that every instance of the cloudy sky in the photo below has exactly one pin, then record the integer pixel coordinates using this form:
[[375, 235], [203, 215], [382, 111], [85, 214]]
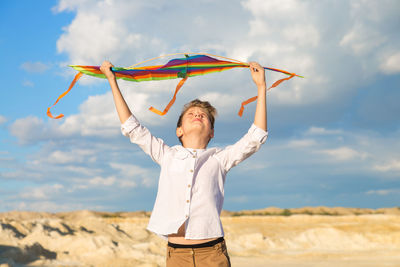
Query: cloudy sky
[[334, 137]]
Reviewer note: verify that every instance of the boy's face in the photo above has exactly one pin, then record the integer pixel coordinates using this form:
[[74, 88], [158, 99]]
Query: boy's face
[[195, 120]]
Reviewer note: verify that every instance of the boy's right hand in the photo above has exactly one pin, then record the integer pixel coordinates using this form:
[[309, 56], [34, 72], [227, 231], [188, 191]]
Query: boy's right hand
[[105, 68], [258, 74]]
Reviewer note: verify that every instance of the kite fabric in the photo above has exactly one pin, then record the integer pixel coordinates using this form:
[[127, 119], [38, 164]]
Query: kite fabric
[[189, 66]]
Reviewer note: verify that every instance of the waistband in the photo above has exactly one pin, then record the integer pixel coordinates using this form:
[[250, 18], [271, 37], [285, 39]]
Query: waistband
[[201, 245]]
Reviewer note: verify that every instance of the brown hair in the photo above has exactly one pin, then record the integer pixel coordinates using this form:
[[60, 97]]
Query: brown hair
[[205, 105]]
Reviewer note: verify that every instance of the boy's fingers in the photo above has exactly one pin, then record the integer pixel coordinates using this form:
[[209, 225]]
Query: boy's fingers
[[255, 67]]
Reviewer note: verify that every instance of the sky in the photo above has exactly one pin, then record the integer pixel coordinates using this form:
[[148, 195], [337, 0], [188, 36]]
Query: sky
[[334, 136]]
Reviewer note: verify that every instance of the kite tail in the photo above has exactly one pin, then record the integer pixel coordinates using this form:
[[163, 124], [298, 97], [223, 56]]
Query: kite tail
[[184, 75], [244, 103], [162, 113], [77, 76]]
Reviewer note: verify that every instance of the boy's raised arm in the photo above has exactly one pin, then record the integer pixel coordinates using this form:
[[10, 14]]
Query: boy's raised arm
[[258, 75], [122, 108]]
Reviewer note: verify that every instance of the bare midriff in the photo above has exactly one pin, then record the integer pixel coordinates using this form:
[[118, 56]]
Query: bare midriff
[[179, 238]]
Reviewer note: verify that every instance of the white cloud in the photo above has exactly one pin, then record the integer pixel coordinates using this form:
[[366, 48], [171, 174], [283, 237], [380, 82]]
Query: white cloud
[[61, 157], [367, 152], [128, 169], [127, 183], [22, 174], [302, 35], [362, 40], [131, 175], [322, 131], [110, 181], [97, 118], [28, 83], [299, 36], [82, 170], [100, 181], [104, 30], [148, 181], [42, 192], [383, 192], [370, 35], [362, 153], [103, 42], [391, 166], [28, 129], [391, 64], [301, 143], [228, 104], [49, 206], [343, 153], [290, 45], [34, 67], [73, 156], [274, 8], [3, 119]]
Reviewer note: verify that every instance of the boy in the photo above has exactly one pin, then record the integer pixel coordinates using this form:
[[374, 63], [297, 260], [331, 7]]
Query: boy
[[191, 185]]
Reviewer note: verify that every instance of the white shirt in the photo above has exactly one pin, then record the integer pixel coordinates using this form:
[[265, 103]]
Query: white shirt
[[191, 183]]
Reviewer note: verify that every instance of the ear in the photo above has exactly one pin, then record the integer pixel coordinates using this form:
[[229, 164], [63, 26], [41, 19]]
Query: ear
[[212, 133], [179, 132]]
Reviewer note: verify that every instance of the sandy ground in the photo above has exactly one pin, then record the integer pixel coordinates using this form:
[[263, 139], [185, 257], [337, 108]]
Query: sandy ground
[[85, 238]]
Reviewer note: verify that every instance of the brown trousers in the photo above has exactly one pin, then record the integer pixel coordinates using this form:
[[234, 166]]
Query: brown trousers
[[215, 256]]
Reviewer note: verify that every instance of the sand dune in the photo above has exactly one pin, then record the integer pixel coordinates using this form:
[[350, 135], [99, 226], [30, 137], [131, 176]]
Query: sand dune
[[86, 238]]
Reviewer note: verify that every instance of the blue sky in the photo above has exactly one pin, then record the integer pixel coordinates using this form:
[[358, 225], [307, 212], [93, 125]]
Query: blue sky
[[333, 136]]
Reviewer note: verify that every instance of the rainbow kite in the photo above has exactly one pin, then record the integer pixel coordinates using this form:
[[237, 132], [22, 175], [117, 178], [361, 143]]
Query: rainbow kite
[[189, 66]]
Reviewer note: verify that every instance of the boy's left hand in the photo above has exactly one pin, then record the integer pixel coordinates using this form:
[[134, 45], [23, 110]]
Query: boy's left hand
[[105, 68], [258, 74]]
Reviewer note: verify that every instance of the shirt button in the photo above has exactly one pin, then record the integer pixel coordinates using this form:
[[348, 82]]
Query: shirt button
[[188, 185], [194, 156], [187, 201], [187, 216], [191, 170]]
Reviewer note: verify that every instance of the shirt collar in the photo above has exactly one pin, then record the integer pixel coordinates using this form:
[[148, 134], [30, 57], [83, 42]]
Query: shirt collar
[[190, 151], [195, 150]]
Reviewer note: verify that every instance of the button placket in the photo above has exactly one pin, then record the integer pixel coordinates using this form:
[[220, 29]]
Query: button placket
[[189, 188]]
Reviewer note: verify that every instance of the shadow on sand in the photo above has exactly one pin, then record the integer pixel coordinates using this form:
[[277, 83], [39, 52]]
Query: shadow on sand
[[16, 256]]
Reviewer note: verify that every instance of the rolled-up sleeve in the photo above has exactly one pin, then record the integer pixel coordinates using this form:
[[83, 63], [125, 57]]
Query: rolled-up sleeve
[[258, 134], [140, 135], [129, 125], [242, 149]]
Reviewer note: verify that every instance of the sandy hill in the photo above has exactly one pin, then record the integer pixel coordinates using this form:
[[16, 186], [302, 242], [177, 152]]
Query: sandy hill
[[309, 236]]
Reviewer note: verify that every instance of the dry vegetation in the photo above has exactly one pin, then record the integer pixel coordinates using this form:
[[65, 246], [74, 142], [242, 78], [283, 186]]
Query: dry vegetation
[[335, 211]]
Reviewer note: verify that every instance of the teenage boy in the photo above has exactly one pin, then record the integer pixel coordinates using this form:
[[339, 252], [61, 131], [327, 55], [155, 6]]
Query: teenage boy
[[191, 185]]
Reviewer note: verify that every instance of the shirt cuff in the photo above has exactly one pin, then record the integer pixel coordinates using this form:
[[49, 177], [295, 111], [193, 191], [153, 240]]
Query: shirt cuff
[[258, 134], [129, 125]]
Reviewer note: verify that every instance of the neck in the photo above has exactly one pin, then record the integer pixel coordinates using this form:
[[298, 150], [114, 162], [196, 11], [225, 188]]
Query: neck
[[194, 142]]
